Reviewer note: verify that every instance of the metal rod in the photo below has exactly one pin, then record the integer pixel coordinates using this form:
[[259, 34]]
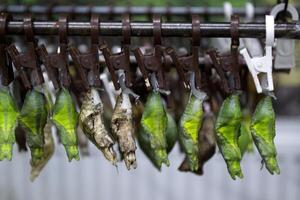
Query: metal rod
[[143, 29], [116, 10]]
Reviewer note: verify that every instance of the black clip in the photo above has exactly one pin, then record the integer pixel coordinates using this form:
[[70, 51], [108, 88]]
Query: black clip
[[89, 62], [151, 62], [27, 62], [120, 61], [6, 70], [189, 63], [57, 63], [228, 63]]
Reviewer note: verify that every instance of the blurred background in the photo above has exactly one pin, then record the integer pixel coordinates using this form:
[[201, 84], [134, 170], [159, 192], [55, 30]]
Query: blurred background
[[94, 178]]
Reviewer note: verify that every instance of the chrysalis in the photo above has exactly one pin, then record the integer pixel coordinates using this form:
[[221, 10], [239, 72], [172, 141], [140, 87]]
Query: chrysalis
[[92, 123], [189, 125], [33, 119], [47, 153], [227, 130], [8, 122], [122, 127], [48, 148], [206, 145], [83, 142], [263, 133], [65, 119], [152, 135]]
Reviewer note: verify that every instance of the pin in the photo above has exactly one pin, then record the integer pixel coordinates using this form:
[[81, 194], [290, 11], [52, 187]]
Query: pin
[[257, 65]]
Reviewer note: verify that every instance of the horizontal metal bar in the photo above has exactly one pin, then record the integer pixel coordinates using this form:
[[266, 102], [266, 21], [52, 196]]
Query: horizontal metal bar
[[144, 29], [134, 10]]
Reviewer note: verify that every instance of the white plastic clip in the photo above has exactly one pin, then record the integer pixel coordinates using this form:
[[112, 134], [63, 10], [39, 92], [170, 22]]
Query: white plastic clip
[[257, 65], [285, 48]]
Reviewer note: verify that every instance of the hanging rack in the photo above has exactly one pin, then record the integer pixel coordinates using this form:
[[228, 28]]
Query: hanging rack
[[172, 29]]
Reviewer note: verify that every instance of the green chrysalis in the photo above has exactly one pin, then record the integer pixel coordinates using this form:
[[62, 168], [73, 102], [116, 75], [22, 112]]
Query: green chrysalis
[[8, 122], [263, 133], [33, 119], [189, 125], [227, 129], [152, 135], [64, 117]]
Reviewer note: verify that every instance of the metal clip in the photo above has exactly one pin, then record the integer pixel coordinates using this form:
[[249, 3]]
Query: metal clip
[[56, 63], [257, 65], [89, 61], [285, 48], [6, 70], [189, 63], [120, 61], [228, 63], [151, 62], [27, 62]]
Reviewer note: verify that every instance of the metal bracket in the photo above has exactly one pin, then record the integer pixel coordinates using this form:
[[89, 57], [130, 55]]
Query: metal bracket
[[151, 62], [57, 63], [228, 63], [27, 62], [89, 61], [190, 62], [120, 61]]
